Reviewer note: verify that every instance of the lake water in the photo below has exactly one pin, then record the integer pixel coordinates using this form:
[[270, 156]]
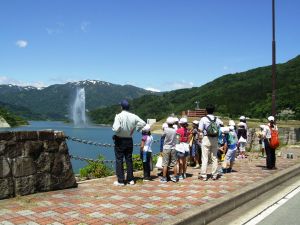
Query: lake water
[[91, 133]]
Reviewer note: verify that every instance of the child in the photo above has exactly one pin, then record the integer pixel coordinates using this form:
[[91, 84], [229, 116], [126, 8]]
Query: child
[[231, 145], [183, 147], [242, 139], [195, 145], [261, 140], [146, 151], [169, 152]]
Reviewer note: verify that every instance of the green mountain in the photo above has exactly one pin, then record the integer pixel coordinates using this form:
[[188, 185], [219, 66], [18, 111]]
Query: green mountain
[[248, 93], [55, 102]]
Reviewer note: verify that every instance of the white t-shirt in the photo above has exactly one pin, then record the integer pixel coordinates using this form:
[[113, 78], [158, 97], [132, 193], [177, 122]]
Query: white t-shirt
[[148, 139], [204, 123]]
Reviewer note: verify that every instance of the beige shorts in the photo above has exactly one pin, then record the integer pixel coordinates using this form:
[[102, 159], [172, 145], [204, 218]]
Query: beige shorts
[[169, 157]]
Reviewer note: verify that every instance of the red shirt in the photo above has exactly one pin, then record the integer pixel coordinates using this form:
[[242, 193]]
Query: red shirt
[[184, 134]]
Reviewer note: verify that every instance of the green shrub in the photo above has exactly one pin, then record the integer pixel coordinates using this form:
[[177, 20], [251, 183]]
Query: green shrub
[[96, 169]]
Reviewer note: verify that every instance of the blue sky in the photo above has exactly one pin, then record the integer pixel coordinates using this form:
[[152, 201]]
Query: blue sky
[[158, 44]]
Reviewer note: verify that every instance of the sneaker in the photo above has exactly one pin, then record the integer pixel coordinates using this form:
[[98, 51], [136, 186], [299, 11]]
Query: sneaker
[[116, 183], [131, 182], [146, 179], [214, 178], [202, 178], [163, 180], [181, 177], [197, 166], [174, 179]]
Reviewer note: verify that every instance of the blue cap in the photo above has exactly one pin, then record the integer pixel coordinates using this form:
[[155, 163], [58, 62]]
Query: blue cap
[[125, 105]]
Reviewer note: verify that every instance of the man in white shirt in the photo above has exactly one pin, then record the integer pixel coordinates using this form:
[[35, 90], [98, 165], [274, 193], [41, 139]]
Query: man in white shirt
[[209, 143], [124, 125]]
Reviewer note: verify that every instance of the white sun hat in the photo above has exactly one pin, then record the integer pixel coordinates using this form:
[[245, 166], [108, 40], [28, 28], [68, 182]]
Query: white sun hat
[[146, 128]]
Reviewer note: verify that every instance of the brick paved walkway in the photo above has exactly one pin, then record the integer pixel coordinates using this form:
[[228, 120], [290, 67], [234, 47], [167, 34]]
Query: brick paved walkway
[[99, 202]]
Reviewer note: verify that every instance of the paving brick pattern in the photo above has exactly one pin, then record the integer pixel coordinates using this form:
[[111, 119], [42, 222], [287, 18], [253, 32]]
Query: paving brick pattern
[[100, 202]]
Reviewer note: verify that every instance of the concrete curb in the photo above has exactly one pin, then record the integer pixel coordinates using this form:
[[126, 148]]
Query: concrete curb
[[211, 211]]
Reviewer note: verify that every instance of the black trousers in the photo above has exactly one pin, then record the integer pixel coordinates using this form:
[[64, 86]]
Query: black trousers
[[271, 157], [123, 149]]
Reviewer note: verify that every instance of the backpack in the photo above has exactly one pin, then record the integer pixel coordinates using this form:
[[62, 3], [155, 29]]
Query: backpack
[[212, 130], [274, 142]]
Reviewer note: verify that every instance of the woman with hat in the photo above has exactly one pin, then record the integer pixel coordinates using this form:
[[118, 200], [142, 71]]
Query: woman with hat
[[270, 152]]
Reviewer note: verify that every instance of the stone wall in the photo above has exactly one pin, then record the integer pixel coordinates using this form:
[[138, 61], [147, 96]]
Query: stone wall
[[34, 161], [288, 136]]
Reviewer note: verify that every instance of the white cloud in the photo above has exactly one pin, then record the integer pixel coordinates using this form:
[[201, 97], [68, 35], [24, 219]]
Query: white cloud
[[57, 29], [8, 80], [178, 85], [22, 43], [152, 89], [84, 26]]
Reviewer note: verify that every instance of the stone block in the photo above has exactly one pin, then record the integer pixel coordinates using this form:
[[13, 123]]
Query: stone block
[[2, 147], [43, 182], [44, 162], [23, 166], [51, 146], [26, 135], [25, 185], [63, 148], [6, 188], [33, 149], [5, 168], [13, 149], [46, 135], [7, 136]]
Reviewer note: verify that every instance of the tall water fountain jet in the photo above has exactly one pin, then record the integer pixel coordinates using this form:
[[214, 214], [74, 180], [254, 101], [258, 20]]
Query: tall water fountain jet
[[78, 110]]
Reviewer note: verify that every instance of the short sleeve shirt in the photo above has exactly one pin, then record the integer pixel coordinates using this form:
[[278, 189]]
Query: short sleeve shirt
[[204, 123]]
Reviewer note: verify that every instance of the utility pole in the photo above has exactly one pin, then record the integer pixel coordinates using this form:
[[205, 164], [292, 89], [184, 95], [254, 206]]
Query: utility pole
[[273, 60]]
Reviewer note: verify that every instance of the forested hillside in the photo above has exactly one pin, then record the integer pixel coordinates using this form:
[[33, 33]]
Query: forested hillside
[[247, 93]]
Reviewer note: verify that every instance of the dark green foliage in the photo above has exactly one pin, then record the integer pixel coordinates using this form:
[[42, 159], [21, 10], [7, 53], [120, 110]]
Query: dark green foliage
[[247, 93], [96, 169], [12, 119]]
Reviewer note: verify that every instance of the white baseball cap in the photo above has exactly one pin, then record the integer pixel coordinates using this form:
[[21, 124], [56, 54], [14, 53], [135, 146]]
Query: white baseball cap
[[224, 130], [231, 123], [170, 120], [183, 120], [146, 127], [231, 128], [196, 122], [242, 118], [262, 126], [165, 125], [271, 118]]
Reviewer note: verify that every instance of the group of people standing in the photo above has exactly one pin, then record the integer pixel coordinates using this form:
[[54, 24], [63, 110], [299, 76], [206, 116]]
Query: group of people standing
[[208, 141]]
